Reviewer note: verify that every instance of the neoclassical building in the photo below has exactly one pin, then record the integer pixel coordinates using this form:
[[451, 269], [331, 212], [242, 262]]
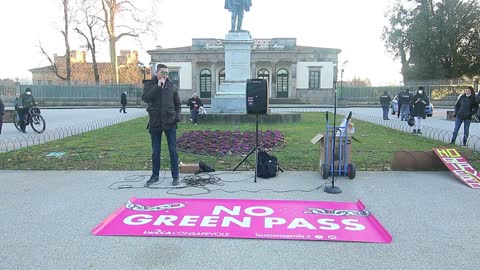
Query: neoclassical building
[[294, 73]]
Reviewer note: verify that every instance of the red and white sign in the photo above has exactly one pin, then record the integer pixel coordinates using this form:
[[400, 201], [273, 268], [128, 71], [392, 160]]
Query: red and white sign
[[459, 166], [266, 219]]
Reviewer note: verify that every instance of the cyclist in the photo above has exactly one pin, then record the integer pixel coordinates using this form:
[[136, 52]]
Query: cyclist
[[25, 102]]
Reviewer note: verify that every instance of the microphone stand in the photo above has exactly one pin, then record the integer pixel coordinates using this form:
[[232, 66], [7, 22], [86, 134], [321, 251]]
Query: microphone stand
[[333, 189]]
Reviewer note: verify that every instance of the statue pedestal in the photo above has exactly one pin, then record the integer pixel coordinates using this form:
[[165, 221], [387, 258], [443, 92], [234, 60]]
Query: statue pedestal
[[231, 95]]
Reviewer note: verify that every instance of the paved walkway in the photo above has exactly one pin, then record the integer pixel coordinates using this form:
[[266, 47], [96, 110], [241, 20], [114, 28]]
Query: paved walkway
[[47, 217]]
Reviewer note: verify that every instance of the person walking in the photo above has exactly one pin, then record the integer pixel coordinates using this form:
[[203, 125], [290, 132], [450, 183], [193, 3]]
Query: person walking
[[164, 110], [123, 101], [420, 101], [194, 103], [2, 112], [385, 102], [465, 107]]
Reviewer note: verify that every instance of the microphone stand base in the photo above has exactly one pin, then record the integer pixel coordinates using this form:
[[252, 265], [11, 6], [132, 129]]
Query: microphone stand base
[[332, 190]]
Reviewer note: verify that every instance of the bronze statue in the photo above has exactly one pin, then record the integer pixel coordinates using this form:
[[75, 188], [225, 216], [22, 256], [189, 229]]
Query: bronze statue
[[237, 7]]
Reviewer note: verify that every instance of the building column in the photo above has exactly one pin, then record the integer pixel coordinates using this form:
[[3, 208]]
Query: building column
[[253, 69], [195, 77], [274, 79], [293, 87], [213, 68]]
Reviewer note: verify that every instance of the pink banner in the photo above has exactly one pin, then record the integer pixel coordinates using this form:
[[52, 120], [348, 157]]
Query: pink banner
[[459, 166], [266, 219]]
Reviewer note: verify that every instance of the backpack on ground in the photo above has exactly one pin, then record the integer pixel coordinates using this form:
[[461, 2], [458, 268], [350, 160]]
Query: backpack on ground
[[411, 120], [267, 165]]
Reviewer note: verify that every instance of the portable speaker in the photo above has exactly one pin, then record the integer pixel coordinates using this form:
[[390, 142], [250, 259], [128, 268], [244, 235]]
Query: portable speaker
[[257, 96]]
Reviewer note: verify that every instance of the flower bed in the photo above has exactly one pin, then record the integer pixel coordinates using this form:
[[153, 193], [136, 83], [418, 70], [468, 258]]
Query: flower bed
[[222, 143]]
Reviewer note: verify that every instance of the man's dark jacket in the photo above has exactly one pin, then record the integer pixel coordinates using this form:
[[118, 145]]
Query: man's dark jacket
[[2, 108], [385, 99], [123, 99], [465, 107], [404, 97], [194, 101], [164, 105], [419, 107]]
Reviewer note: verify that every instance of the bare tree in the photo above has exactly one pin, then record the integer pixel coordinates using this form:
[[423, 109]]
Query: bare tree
[[64, 31], [92, 23], [137, 26]]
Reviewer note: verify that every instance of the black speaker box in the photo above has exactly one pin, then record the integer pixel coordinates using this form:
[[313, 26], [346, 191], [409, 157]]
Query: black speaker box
[[257, 96]]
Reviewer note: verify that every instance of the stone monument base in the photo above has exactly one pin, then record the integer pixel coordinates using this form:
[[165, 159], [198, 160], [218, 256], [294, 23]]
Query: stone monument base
[[230, 98]]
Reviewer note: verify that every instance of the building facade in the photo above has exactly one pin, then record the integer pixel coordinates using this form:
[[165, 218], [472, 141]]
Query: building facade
[[299, 73]]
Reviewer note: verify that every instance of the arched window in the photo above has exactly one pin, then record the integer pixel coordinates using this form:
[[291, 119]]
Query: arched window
[[282, 83], [264, 74], [205, 83], [221, 76]]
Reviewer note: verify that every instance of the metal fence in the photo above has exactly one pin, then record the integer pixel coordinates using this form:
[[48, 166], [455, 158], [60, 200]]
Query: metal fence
[[72, 93], [443, 92]]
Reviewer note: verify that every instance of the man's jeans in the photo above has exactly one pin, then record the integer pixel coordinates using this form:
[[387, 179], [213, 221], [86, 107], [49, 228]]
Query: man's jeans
[[404, 111], [466, 128], [194, 115], [172, 149], [385, 112]]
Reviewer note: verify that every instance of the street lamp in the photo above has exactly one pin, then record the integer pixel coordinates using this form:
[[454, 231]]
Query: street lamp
[[341, 79]]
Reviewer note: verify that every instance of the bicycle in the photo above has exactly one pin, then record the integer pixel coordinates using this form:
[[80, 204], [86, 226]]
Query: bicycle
[[32, 118]]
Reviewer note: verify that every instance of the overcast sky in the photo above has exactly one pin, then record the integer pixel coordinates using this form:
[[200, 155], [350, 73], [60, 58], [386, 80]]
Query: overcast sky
[[354, 26]]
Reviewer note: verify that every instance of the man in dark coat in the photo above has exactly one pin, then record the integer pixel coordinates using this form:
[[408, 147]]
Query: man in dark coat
[[404, 102], [385, 102], [123, 101], [164, 109], [236, 7], [420, 100], [2, 111], [465, 107]]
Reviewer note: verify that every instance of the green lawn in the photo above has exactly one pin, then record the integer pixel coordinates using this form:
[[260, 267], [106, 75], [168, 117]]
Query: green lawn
[[126, 146]]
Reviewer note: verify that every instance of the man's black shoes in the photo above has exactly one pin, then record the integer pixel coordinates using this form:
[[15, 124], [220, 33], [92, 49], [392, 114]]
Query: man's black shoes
[[175, 181], [153, 179]]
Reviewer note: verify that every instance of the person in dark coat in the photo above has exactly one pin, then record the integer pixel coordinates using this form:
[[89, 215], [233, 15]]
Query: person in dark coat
[[25, 102], [194, 103], [2, 111], [123, 101], [465, 107], [164, 110], [385, 102], [404, 102], [420, 100]]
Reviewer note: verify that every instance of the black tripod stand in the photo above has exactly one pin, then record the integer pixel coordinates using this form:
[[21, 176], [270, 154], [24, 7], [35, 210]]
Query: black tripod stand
[[254, 150]]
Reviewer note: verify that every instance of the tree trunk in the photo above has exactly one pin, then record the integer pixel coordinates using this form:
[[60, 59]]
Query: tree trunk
[[113, 60], [95, 65], [404, 61], [68, 64]]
